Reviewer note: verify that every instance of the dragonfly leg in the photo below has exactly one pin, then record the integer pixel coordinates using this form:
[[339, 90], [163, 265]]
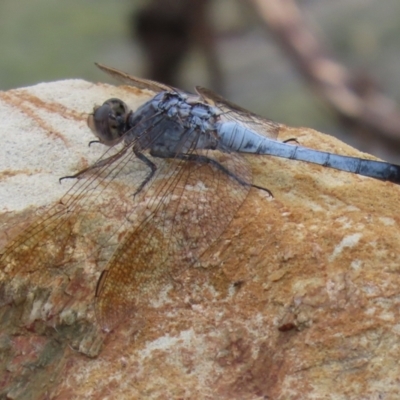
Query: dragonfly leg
[[263, 188], [151, 165], [207, 160], [98, 164], [291, 140]]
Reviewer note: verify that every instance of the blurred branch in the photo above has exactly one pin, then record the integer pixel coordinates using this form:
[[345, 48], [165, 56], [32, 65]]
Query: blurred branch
[[168, 30], [355, 99]]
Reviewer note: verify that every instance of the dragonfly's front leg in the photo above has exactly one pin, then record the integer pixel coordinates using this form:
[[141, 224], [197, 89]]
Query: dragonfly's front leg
[[97, 165]]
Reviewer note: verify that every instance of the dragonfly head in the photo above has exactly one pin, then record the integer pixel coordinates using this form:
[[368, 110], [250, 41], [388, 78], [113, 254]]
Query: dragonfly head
[[108, 121]]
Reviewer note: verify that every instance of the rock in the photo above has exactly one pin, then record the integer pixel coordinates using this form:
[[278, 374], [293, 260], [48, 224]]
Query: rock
[[298, 298]]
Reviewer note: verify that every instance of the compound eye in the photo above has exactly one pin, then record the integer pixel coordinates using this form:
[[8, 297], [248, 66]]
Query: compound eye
[[107, 122]]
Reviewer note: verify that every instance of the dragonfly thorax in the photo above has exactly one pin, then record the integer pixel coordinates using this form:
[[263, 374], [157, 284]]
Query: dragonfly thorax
[[168, 123]]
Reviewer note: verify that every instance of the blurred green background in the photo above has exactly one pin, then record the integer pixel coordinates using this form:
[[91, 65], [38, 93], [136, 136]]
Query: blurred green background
[[47, 40]]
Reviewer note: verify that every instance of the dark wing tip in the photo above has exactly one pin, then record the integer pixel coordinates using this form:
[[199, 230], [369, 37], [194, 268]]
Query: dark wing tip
[[140, 83]]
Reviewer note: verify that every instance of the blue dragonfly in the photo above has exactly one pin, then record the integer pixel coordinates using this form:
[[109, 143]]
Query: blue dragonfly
[[196, 180]]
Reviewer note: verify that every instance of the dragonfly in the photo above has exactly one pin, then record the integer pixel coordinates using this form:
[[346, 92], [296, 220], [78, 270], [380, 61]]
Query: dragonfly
[[194, 182]]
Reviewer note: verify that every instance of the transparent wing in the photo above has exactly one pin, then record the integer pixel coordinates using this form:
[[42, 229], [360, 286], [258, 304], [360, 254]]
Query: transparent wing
[[51, 239], [134, 81], [190, 206], [232, 111], [184, 211]]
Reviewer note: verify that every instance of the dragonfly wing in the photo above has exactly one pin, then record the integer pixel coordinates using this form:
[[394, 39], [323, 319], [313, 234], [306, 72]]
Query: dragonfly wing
[[50, 241], [191, 206], [233, 112], [134, 81]]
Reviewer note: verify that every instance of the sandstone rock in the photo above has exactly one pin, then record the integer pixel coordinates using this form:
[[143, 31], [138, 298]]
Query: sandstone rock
[[298, 298]]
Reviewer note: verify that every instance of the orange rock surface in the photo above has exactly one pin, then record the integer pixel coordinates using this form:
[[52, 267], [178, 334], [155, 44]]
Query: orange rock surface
[[298, 298]]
